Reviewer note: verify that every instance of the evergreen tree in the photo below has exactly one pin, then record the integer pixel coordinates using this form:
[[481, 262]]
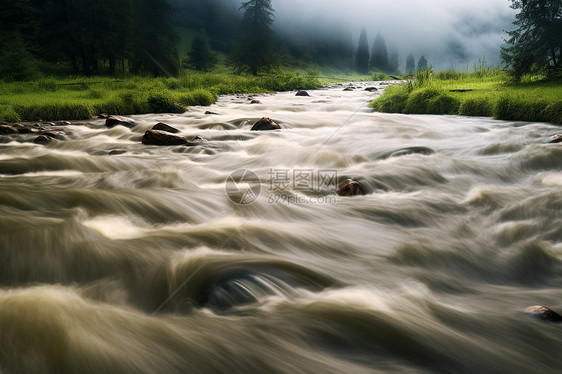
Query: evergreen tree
[[379, 54], [536, 44], [393, 62], [410, 64], [201, 57], [422, 64], [253, 50], [154, 38], [362, 55]]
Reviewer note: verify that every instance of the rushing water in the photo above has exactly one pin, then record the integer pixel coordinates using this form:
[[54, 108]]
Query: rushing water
[[143, 260]]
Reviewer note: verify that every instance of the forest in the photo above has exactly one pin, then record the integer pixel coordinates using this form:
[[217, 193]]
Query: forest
[[153, 37]]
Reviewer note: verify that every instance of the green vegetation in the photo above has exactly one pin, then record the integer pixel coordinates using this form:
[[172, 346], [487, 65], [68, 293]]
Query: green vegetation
[[83, 98], [492, 94]]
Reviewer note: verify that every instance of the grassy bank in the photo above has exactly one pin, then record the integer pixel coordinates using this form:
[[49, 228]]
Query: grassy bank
[[83, 98], [491, 94]]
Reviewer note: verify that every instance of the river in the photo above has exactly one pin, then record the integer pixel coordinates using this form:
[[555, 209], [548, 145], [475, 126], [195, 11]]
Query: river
[[237, 256]]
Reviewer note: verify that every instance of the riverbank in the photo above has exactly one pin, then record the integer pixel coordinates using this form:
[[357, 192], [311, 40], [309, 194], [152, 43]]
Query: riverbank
[[82, 98], [486, 93]]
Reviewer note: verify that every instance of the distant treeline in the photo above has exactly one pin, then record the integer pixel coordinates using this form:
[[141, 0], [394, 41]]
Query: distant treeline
[[114, 37]]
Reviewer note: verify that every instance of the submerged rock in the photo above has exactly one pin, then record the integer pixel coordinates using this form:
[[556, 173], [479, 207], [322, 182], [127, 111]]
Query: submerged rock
[[43, 139], [371, 89], [255, 101], [112, 121], [55, 134], [158, 137], [208, 112], [302, 93], [349, 89], [556, 138], [350, 188], [543, 313], [7, 130], [165, 127], [265, 124]]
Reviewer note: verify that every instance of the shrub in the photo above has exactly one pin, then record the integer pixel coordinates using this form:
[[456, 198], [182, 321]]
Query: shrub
[[163, 102], [418, 100], [443, 104], [518, 109], [477, 106]]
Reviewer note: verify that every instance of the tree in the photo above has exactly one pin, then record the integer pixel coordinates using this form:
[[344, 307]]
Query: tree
[[422, 64], [536, 44], [154, 38], [362, 55], [379, 54], [201, 57], [253, 49], [410, 64], [393, 62]]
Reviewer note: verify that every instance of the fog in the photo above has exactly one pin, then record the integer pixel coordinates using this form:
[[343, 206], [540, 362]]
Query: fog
[[449, 33]]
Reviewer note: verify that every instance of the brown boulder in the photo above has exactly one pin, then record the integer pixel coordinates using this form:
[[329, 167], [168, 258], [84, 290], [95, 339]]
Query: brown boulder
[[556, 138], [42, 139], [543, 313], [164, 127], [7, 130], [112, 121], [255, 101], [157, 137], [265, 124], [350, 188]]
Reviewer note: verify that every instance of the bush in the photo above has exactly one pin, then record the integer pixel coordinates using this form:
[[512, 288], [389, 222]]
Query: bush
[[477, 106], [553, 113], [393, 100], [163, 102], [443, 104], [418, 100], [7, 114], [518, 109]]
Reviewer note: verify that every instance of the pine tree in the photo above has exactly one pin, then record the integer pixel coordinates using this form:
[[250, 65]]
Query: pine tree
[[422, 64], [362, 55], [410, 64], [379, 54], [253, 50], [393, 62], [154, 38], [201, 57], [536, 44]]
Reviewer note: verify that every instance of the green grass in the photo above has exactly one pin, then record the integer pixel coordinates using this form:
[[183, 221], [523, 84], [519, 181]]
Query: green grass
[[492, 95], [83, 98]]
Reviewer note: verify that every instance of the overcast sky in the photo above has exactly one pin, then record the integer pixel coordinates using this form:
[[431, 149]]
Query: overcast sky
[[447, 32]]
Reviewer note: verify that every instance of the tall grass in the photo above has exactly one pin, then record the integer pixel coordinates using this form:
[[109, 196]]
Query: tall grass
[[491, 94], [82, 98]]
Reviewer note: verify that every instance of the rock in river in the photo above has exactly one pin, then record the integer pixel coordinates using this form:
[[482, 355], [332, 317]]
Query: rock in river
[[302, 93], [112, 121], [350, 188], [158, 137], [165, 127], [265, 124], [544, 313]]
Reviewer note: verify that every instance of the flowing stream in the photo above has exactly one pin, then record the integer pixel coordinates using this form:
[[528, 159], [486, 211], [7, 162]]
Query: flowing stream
[[237, 255]]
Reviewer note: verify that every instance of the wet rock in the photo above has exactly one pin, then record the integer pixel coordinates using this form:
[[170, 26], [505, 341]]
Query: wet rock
[[556, 138], [55, 134], [112, 121], [255, 101], [348, 89], [410, 151], [22, 129], [157, 137], [350, 188], [371, 89], [43, 139], [103, 115], [7, 130], [211, 113], [543, 313], [165, 127], [265, 124], [302, 93], [116, 152]]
